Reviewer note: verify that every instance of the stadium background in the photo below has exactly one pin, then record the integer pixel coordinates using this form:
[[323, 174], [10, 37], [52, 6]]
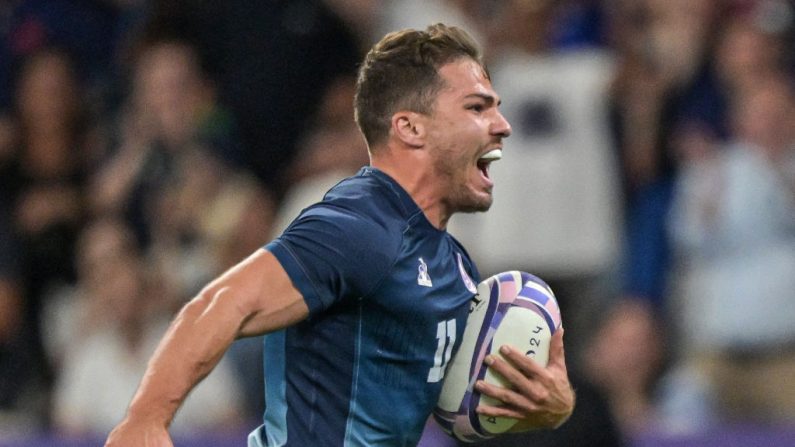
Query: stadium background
[[145, 146]]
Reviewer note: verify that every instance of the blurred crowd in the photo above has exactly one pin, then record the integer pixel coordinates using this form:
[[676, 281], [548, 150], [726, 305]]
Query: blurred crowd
[[148, 145]]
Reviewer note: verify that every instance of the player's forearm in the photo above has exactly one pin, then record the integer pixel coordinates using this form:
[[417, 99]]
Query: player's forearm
[[194, 343]]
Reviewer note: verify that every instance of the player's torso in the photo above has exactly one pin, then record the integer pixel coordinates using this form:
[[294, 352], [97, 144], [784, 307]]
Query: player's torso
[[410, 329], [369, 371], [389, 296]]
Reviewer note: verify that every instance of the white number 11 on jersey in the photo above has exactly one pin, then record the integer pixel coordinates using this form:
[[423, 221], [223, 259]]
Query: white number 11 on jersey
[[445, 337]]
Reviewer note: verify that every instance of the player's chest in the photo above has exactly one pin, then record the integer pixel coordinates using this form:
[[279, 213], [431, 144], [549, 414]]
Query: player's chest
[[432, 276]]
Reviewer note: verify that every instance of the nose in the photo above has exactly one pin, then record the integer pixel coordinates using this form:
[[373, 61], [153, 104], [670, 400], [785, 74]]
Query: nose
[[501, 126]]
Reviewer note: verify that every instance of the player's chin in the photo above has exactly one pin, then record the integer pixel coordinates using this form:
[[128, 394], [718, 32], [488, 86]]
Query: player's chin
[[477, 203]]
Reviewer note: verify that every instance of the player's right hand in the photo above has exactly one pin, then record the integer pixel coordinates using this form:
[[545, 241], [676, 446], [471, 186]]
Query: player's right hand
[[138, 434]]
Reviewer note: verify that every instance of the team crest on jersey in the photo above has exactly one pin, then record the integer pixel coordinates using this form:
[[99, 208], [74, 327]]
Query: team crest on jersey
[[423, 278], [465, 276]]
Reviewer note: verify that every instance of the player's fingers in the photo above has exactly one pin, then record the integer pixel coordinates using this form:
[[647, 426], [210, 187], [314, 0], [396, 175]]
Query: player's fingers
[[510, 399], [529, 385], [526, 365]]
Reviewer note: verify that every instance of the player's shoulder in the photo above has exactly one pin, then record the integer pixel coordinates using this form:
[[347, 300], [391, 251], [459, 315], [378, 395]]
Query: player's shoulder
[[371, 196], [369, 208]]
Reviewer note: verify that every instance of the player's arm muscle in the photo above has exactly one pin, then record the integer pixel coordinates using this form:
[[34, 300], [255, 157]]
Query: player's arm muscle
[[254, 297]]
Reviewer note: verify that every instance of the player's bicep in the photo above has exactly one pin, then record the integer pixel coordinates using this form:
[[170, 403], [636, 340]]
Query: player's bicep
[[262, 293]]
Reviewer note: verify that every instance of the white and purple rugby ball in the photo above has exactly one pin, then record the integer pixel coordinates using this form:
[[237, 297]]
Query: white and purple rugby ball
[[513, 308]]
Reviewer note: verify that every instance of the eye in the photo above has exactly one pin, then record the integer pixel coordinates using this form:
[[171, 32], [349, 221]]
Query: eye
[[476, 107]]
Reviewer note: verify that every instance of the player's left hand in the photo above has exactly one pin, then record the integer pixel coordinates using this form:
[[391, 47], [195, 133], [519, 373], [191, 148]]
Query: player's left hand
[[539, 397]]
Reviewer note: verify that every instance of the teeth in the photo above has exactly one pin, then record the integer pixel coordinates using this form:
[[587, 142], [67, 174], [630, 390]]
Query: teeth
[[492, 155]]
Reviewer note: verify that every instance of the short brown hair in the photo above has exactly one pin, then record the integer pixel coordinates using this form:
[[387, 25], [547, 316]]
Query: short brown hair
[[401, 73]]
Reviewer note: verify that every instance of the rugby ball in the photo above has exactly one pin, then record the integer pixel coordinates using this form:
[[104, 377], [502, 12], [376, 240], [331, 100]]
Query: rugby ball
[[513, 308]]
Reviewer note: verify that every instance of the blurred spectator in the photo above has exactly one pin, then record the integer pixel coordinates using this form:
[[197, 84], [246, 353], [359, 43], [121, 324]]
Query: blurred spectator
[[171, 114], [664, 83], [733, 224], [46, 171], [43, 182], [121, 317], [625, 359], [664, 79], [72, 315], [176, 176], [680, 65], [273, 61]]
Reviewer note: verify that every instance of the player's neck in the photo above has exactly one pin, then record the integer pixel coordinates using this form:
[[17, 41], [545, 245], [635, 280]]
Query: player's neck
[[412, 171]]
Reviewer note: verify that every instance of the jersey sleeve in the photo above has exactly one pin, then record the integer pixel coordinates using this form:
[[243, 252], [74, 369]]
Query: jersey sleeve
[[333, 254]]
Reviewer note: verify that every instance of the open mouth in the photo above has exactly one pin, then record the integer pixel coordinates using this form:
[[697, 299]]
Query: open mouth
[[485, 160]]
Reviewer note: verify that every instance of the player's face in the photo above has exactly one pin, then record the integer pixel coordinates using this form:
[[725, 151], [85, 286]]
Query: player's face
[[466, 131]]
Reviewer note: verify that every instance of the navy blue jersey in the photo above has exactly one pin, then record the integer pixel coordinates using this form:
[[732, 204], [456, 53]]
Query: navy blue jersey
[[388, 297]]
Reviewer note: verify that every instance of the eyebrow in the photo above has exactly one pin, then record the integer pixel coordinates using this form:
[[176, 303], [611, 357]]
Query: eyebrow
[[489, 99]]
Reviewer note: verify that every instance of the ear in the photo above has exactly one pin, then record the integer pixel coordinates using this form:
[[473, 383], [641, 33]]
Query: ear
[[409, 127]]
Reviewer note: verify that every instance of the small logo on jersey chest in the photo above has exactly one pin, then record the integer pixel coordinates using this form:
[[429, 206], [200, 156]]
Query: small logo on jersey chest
[[423, 278], [465, 276]]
